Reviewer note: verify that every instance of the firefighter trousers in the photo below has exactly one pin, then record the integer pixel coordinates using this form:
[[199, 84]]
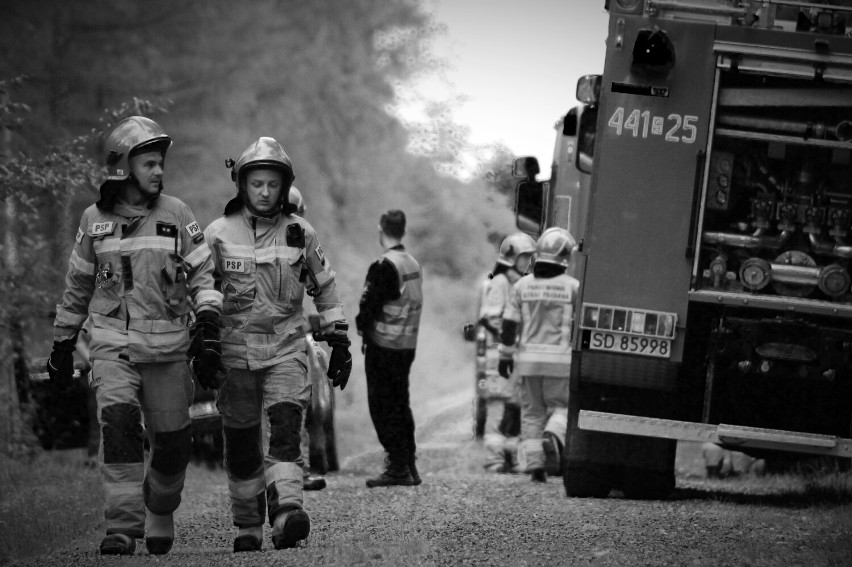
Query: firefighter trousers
[[125, 393], [387, 396], [544, 407], [262, 420]]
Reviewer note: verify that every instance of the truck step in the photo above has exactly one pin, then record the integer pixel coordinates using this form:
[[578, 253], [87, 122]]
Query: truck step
[[729, 435]]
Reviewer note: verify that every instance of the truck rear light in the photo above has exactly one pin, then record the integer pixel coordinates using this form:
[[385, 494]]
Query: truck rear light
[[626, 320]]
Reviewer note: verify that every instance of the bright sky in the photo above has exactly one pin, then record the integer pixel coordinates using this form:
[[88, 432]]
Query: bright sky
[[518, 63]]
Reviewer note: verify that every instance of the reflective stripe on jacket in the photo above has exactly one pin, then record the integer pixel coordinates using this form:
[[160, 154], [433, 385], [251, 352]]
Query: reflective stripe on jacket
[[544, 309], [396, 326], [133, 276], [259, 274]]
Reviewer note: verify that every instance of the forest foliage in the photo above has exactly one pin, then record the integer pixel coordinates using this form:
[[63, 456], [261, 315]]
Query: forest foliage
[[321, 77]]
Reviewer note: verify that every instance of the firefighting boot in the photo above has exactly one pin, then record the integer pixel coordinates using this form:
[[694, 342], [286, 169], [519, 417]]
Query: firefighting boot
[[289, 528], [118, 544], [412, 468], [249, 539], [393, 476], [538, 475], [311, 482], [160, 534]]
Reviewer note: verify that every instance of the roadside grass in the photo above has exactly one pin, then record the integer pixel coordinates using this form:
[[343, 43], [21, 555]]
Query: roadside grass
[[46, 500]]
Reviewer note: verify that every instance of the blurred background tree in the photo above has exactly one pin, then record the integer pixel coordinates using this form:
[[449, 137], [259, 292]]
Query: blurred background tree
[[322, 77]]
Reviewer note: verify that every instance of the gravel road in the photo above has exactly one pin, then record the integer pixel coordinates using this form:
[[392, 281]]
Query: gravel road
[[460, 516]]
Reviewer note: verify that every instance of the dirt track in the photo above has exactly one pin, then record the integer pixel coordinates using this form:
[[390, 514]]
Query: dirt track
[[460, 516]]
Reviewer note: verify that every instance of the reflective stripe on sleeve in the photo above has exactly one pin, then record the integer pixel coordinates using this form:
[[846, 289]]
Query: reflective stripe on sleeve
[[209, 297], [197, 256], [80, 264], [65, 318], [332, 315]]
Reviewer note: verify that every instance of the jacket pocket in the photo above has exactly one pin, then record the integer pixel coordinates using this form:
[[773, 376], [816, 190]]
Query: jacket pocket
[[290, 289]]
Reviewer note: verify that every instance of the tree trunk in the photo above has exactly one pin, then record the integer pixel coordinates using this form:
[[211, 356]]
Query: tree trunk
[[10, 411]]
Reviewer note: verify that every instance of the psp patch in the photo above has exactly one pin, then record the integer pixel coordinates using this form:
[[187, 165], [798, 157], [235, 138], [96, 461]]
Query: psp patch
[[101, 228], [192, 229], [320, 254], [235, 265], [79, 237]]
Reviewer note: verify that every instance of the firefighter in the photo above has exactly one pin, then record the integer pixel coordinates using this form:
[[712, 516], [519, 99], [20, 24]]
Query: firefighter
[[138, 255], [513, 260], [389, 321], [317, 358], [539, 315], [266, 258]]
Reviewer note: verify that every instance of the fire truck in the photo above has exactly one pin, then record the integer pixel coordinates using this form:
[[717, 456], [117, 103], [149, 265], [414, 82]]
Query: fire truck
[[714, 238]]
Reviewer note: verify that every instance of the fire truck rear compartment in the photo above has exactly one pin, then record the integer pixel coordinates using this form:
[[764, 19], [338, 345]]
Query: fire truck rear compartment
[[778, 204]]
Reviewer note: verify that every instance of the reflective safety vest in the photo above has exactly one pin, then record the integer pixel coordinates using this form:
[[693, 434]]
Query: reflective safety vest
[[544, 310], [137, 272], [396, 326]]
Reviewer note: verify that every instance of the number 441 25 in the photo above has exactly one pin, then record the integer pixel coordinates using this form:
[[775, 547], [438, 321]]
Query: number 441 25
[[675, 127]]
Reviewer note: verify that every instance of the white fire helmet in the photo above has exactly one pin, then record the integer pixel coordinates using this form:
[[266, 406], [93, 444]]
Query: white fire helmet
[[555, 246], [296, 201], [513, 246]]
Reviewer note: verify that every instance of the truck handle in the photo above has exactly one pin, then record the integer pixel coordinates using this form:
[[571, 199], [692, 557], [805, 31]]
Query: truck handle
[[700, 158]]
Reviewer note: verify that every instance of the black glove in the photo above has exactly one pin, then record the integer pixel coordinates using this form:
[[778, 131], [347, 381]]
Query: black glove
[[339, 365], [505, 367], [205, 350], [60, 365]]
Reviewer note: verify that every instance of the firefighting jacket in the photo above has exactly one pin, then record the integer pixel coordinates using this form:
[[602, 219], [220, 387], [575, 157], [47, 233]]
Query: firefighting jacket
[[397, 324], [495, 296], [134, 270], [544, 310], [263, 278]]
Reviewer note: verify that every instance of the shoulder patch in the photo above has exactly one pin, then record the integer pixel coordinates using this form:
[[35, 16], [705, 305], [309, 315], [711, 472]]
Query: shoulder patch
[[101, 228], [79, 237], [192, 229], [320, 254]]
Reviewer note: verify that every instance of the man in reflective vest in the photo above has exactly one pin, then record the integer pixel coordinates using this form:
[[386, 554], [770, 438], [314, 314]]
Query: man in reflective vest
[[389, 320], [539, 315], [139, 259], [266, 258]]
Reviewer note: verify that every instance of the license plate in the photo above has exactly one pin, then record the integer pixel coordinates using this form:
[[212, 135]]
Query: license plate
[[630, 344], [203, 409]]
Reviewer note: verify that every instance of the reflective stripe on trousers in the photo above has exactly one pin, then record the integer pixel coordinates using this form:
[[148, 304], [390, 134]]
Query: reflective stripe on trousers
[[541, 396], [161, 392], [492, 438], [244, 400]]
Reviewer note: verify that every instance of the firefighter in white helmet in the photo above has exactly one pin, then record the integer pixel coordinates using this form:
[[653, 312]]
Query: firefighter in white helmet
[[138, 261], [266, 258], [317, 359], [538, 317], [513, 261]]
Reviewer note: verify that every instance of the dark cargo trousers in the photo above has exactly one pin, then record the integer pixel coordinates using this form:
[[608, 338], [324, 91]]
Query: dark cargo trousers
[[387, 396]]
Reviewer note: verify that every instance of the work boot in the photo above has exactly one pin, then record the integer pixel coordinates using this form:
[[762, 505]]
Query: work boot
[[310, 482], [118, 544], [160, 534], [552, 453], [538, 475], [412, 468], [392, 477], [249, 539], [289, 528]]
